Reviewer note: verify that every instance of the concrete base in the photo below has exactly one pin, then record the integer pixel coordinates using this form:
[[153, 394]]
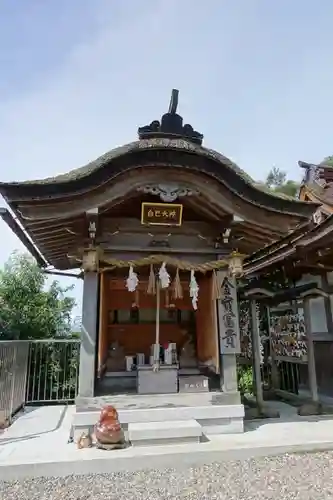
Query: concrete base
[[35, 445], [125, 382], [216, 413], [160, 433]]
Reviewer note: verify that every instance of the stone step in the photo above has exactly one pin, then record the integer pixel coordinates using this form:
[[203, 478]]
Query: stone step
[[146, 415], [217, 413], [219, 419], [167, 432]]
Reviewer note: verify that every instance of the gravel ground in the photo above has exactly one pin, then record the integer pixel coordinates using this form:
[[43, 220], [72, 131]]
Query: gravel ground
[[306, 476]]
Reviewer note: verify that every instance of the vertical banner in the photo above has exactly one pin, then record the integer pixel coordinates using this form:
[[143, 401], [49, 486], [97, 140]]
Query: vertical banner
[[228, 315]]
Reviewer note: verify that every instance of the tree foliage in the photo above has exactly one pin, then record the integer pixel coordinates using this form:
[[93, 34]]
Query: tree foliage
[[28, 308], [328, 161], [277, 181]]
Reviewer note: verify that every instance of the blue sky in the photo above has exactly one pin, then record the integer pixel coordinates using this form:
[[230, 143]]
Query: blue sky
[[78, 77]]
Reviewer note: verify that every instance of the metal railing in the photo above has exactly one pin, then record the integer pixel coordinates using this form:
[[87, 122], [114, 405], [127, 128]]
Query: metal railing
[[35, 372], [53, 371], [13, 375], [293, 378]]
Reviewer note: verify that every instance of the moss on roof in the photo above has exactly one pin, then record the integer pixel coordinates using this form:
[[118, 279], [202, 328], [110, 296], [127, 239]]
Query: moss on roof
[[106, 159], [266, 189], [146, 144]]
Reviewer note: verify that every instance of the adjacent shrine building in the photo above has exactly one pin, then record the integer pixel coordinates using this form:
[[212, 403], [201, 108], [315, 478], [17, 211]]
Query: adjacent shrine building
[[160, 228]]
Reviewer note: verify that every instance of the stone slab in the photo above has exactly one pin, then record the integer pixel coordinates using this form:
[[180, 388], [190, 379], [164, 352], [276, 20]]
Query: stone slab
[[164, 381], [112, 462], [139, 401], [164, 414], [168, 432], [217, 426], [26, 453]]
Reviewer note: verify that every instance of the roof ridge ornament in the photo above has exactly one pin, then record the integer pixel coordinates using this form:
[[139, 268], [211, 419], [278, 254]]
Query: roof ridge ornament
[[168, 192], [173, 102], [171, 125]]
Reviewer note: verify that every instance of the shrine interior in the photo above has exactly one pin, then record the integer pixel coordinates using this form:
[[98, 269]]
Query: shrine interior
[[127, 330]]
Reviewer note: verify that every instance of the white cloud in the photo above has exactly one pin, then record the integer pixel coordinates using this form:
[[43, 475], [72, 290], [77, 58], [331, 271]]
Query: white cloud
[[104, 90]]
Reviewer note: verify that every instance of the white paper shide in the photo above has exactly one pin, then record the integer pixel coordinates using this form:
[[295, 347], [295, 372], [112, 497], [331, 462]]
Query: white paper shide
[[132, 280], [164, 276], [194, 290]]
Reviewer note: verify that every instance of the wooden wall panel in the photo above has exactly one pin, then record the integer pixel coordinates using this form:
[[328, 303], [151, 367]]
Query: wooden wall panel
[[207, 339], [103, 343], [119, 296]]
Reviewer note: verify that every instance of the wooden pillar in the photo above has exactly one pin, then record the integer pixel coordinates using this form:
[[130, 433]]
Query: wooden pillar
[[89, 334], [275, 372], [103, 325], [156, 353], [256, 354], [310, 352], [328, 306]]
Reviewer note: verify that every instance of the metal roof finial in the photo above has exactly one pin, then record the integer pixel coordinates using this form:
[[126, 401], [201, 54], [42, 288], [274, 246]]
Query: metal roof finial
[[173, 102]]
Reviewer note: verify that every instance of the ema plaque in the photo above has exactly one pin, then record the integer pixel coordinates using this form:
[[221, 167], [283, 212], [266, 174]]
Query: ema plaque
[[161, 214]]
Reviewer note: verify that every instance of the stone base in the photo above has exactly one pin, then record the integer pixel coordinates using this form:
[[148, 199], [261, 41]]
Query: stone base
[[308, 409], [259, 413], [168, 432], [216, 413], [117, 446]]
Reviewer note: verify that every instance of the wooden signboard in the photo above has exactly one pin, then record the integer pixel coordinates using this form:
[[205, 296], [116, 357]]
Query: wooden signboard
[[228, 316], [161, 214]]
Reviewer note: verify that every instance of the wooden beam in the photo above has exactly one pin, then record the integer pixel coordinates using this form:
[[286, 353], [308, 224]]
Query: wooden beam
[[21, 235], [58, 236], [133, 226], [127, 182], [57, 244], [55, 222], [145, 249], [58, 254], [206, 209], [92, 226], [252, 236], [75, 226], [258, 229]]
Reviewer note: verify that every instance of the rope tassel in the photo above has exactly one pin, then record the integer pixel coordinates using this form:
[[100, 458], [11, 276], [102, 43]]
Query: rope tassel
[[216, 292], [167, 299], [177, 289], [151, 290]]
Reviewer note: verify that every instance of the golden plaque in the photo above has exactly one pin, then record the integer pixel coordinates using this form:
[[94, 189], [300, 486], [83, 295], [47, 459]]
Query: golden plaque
[[161, 214]]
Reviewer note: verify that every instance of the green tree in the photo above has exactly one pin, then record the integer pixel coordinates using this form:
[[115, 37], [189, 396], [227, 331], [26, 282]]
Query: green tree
[[28, 308], [328, 161], [277, 181]]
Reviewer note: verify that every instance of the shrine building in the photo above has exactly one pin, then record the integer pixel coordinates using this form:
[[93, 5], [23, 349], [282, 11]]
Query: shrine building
[[162, 229]]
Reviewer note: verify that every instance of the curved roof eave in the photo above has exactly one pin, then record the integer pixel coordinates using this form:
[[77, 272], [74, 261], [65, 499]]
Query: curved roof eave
[[238, 180]]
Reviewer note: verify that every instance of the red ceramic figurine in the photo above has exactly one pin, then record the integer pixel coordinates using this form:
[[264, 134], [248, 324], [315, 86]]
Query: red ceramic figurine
[[108, 432]]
